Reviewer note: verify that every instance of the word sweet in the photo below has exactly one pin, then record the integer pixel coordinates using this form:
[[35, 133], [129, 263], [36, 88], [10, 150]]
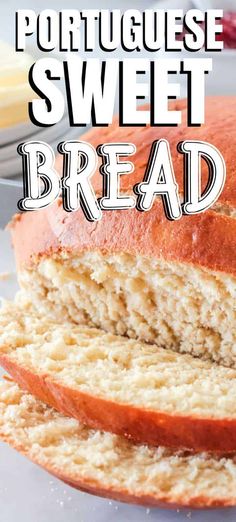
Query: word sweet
[[91, 86]]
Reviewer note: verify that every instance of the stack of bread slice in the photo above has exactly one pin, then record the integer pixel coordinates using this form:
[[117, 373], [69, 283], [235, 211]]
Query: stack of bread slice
[[122, 342]]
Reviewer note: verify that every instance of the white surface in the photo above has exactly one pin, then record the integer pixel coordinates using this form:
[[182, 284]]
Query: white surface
[[12, 166], [29, 494], [17, 132]]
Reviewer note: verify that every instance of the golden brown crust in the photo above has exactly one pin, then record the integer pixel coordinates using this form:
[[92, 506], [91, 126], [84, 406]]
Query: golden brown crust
[[199, 502], [140, 425], [207, 240], [89, 485], [219, 130]]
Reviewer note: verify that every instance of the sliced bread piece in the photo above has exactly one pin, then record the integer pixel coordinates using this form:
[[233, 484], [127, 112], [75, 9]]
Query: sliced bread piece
[[109, 465], [113, 383]]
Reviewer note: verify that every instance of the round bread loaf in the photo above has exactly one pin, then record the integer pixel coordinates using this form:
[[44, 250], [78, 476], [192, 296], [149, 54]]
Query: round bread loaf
[[136, 273]]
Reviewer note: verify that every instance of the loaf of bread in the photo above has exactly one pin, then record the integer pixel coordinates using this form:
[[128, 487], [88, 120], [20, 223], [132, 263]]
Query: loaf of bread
[[138, 274], [109, 465], [159, 369], [143, 392]]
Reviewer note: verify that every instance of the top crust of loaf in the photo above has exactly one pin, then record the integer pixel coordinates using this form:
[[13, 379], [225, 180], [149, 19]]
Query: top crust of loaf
[[207, 240], [219, 130]]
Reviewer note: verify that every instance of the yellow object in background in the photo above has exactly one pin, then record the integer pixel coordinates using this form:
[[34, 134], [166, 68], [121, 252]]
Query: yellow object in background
[[15, 91]]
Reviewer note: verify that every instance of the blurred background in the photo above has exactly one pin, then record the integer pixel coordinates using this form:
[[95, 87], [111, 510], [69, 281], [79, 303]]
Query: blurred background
[[15, 92]]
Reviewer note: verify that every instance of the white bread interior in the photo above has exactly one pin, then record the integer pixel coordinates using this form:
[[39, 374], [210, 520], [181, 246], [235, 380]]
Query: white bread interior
[[177, 306]]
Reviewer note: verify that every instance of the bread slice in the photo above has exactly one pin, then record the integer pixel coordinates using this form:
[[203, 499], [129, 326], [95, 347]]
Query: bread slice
[[109, 465], [120, 385], [137, 273]]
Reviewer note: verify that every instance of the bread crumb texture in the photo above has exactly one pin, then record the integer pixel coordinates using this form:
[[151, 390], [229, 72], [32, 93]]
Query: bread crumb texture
[[91, 458], [176, 306], [115, 368]]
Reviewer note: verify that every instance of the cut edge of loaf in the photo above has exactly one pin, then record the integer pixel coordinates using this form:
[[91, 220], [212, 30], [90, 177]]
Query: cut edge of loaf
[[110, 466], [177, 306]]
